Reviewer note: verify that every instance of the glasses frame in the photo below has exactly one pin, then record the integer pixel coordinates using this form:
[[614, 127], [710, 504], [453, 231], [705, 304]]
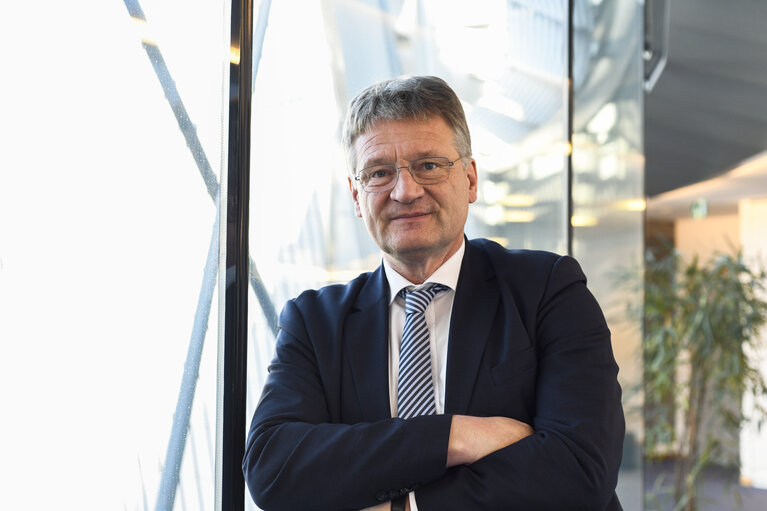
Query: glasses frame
[[409, 169]]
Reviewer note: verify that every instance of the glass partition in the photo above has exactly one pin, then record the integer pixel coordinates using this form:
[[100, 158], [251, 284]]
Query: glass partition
[[608, 192], [112, 146], [508, 62]]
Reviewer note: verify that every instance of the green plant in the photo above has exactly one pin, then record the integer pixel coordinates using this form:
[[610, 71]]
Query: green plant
[[700, 321]]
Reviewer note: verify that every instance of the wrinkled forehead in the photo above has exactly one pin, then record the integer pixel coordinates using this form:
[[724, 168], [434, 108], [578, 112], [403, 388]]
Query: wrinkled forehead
[[373, 124], [409, 139]]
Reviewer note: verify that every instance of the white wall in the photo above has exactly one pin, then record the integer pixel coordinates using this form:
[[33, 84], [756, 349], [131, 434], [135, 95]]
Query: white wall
[[753, 444], [706, 236]]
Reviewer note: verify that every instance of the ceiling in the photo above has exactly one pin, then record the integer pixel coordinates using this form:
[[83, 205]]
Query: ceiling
[[721, 194], [707, 114]]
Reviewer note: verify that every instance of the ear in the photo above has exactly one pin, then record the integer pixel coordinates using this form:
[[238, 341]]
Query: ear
[[471, 175], [355, 197]]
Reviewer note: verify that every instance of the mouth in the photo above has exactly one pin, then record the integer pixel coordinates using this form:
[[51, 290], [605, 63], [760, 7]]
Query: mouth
[[412, 215]]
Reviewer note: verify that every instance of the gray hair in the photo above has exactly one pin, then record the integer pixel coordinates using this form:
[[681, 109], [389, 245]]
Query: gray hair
[[405, 98]]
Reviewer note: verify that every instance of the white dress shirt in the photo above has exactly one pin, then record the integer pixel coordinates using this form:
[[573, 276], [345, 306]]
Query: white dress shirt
[[437, 321]]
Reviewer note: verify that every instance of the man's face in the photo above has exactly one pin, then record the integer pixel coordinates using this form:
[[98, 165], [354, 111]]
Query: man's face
[[412, 221]]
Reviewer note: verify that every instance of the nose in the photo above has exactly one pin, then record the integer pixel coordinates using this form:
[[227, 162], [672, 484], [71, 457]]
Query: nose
[[406, 189]]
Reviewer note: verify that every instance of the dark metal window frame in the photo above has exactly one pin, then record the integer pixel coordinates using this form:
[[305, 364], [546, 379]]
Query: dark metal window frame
[[232, 487]]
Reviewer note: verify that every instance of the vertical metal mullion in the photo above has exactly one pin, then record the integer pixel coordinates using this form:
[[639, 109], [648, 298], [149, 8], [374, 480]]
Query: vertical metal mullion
[[569, 208], [233, 391]]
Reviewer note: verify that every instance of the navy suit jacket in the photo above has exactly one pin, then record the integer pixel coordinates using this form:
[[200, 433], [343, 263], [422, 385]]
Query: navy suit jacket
[[527, 341]]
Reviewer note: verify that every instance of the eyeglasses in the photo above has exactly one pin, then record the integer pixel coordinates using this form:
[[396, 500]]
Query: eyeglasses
[[426, 171]]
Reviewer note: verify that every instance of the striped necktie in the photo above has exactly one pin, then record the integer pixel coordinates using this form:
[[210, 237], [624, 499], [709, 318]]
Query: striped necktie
[[415, 388]]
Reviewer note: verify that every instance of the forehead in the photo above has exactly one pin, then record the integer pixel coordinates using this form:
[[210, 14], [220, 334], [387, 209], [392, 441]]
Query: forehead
[[388, 140]]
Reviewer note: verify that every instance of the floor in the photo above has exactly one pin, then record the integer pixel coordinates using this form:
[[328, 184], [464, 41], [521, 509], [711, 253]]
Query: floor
[[720, 490]]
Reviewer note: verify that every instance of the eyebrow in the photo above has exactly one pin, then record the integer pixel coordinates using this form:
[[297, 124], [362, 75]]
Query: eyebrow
[[389, 161], [426, 154], [377, 161]]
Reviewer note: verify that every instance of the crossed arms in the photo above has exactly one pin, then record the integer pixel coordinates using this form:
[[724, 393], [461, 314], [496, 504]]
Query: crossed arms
[[307, 450]]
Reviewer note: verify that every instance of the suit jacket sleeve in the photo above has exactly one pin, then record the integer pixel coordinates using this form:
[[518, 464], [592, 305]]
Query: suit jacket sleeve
[[304, 452], [572, 460], [312, 446]]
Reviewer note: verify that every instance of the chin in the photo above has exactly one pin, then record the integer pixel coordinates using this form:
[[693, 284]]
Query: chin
[[412, 247]]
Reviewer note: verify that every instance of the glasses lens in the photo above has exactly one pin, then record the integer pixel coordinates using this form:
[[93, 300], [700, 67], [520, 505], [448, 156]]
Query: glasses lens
[[378, 178], [430, 170]]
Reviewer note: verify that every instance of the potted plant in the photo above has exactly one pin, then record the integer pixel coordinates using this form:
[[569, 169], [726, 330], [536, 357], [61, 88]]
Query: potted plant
[[701, 320]]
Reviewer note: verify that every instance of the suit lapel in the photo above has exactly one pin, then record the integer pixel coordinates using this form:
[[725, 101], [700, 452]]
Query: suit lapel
[[367, 338], [474, 310]]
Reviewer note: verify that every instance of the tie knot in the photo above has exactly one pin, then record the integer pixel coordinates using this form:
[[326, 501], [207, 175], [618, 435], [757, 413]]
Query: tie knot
[[417, 300]]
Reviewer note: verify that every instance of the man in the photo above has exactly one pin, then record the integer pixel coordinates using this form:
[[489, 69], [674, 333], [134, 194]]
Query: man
[[512, 402]]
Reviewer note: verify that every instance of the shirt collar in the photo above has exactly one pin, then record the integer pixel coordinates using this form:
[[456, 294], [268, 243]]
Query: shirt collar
[[447, 274]]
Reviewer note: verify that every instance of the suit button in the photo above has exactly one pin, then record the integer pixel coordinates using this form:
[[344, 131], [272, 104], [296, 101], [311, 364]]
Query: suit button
[[381, 496]]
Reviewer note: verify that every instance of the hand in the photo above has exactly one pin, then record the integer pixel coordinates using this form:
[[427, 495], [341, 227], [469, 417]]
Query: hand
[[472, 438]]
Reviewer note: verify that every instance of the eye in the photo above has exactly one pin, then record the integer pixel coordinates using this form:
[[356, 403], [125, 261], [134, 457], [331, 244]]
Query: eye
[[377, 174], [428, 165]]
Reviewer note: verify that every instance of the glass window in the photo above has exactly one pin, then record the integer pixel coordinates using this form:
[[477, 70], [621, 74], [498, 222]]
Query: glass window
[[507, 60], [608, 194], [109, 251]]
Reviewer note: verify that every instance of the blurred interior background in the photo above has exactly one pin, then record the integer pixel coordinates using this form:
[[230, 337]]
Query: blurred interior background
[[601, 128]]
